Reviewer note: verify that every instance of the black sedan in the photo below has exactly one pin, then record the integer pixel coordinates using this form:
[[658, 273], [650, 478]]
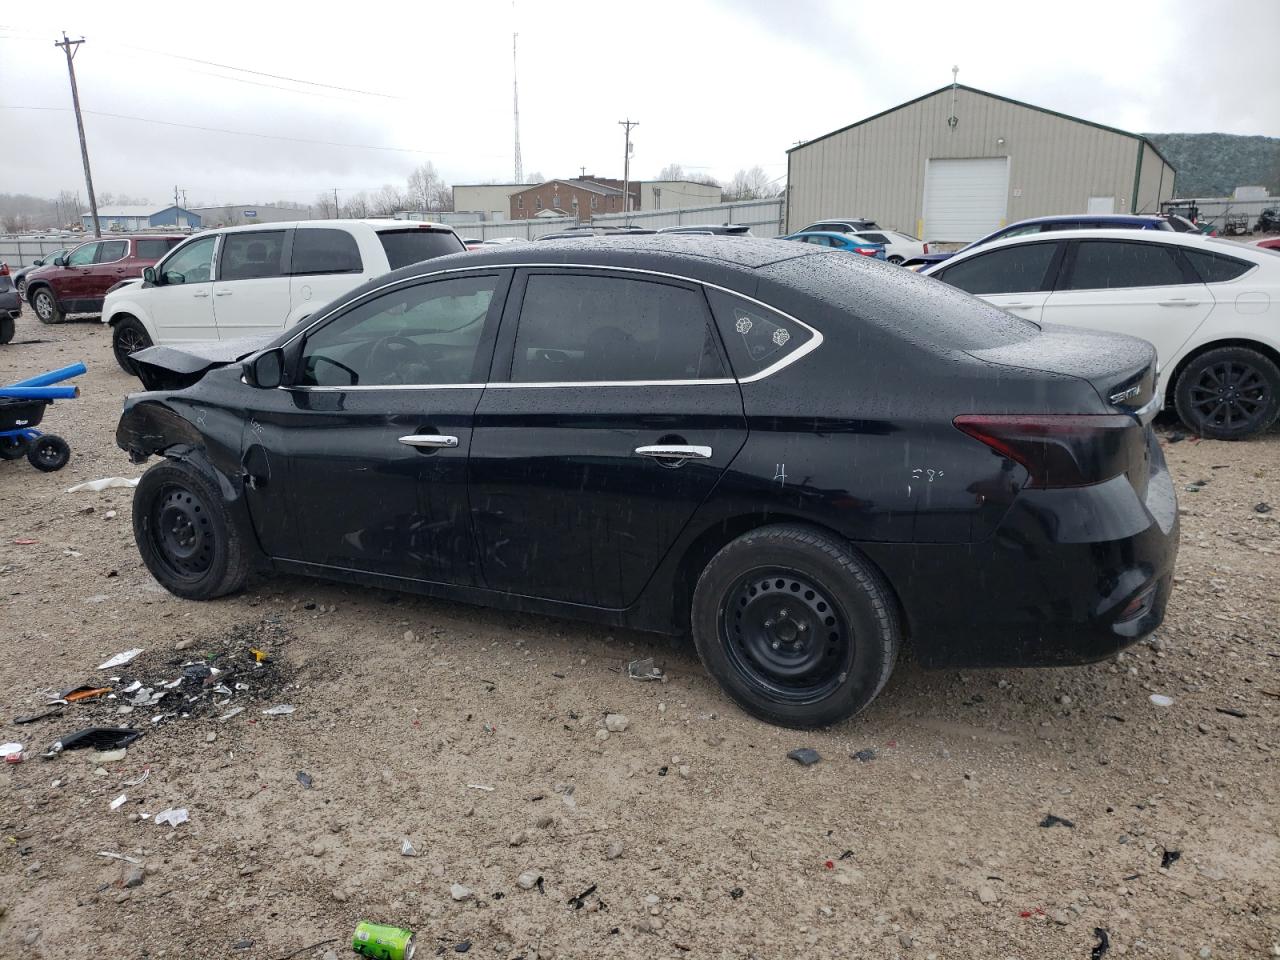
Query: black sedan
[[804, 460]]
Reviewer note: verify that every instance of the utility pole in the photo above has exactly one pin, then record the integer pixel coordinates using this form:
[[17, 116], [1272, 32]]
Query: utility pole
[[176, 208], [626, 167], [335, 204], [69, 47]]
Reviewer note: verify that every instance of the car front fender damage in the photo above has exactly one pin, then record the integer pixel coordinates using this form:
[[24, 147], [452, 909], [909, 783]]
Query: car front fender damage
[[176, 428]]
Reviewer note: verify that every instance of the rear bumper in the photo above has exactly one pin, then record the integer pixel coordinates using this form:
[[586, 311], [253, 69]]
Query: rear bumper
[[1057, 584], [10, 304]]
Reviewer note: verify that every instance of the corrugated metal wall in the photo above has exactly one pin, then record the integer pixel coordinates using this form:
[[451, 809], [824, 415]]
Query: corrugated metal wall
[[1156, 183], [877, 169]]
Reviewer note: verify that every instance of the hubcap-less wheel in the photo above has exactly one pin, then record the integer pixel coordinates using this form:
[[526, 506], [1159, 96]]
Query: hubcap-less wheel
[[44, 306], [182, 533], [1230, 394], [785, 635]]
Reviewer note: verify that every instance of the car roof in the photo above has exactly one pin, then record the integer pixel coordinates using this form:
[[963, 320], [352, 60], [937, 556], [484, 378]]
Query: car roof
[[1227, 248], [1091, 218], [828, 233], [345, 222]]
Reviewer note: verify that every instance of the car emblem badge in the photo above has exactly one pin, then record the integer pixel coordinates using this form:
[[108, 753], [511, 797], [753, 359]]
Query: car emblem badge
[[1124, 395]]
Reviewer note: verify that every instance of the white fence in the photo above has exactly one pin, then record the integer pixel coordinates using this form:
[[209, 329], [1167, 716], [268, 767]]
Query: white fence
[[764, 217], [20, 251]]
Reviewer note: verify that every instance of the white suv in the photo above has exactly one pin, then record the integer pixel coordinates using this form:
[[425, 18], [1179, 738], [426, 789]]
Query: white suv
[[249, 281]]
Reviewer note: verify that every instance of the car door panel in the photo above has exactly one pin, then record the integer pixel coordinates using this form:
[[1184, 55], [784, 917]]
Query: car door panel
[[71, 283], [181, 305], [575, 491], [251, 292]]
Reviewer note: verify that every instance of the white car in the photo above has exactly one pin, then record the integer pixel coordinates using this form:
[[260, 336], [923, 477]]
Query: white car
[[897, 246], [1210, 307], [255, 280]]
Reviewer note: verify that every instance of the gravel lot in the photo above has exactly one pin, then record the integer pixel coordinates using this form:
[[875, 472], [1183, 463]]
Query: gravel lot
[[476, 736]]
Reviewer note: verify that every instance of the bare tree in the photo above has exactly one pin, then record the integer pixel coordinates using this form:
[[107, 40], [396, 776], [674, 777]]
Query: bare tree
[[387, 201], [357, 206], [535, 178], [427, 189], [706, 178], [672, 171], [324, 206], [753, 184]]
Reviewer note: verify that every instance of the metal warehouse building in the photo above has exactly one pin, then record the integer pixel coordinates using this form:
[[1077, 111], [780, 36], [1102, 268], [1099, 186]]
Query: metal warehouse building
[[957, 163]]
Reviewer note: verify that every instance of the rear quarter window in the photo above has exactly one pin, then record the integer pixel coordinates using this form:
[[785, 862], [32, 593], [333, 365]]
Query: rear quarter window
[[318, 250], [404, 247], [1214, 267], [755, 336]]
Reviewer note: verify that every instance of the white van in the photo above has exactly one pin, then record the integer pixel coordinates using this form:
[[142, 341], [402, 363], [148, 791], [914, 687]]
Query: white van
[[260, 279]]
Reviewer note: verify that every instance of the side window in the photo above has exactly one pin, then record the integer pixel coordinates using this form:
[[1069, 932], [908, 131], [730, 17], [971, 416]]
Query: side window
[[425, 334], [580, 328], [250, 256], [1213, 267], [756, 337], [1113, 264], [82, 256], [1019, 269], [323, 250], [192, 264], [874, 237], [818, 241], [151, 249], [109, 251]]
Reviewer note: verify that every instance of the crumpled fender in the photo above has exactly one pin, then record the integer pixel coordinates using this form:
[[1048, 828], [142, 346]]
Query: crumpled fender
[[178, 428]]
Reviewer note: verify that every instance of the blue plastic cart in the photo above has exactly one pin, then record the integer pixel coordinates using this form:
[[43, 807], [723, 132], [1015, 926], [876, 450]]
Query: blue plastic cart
[[21, 410]]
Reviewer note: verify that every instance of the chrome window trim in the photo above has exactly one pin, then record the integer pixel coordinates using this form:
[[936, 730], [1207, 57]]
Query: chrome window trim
[[805, 349]]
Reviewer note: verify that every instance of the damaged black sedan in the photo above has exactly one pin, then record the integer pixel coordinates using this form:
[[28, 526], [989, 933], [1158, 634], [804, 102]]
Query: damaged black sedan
[[802, 459]]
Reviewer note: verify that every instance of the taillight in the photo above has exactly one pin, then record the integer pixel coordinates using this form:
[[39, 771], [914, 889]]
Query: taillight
[[926, 248], [4, 269], [865, 251], [1067, 450]]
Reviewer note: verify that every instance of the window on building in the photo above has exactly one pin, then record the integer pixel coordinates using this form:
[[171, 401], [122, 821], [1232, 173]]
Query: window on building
[[519, 203], [555, 201], [539, 203], [594, 199]]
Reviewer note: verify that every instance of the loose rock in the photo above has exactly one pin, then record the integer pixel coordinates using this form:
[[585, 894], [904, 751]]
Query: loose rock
[[616, 722], [460, 893]]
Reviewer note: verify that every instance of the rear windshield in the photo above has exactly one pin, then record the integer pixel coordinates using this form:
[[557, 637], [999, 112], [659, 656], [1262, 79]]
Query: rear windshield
[[404, 247]]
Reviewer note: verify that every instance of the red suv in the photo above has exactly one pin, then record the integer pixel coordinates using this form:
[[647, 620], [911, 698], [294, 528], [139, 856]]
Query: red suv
[[78, 281]]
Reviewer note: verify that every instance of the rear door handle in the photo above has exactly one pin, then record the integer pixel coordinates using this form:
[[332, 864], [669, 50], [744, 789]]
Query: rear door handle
[[224, 293], [1018, 306], [666, 451], [1179, 302], [204, 293], [429, 440]]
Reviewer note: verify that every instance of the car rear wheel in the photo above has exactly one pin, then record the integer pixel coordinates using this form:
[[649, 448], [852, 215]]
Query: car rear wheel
[[46, 307], [896, 260], [795, 626], [21, 287], [128, 336], [1228, 393], [185, 533]]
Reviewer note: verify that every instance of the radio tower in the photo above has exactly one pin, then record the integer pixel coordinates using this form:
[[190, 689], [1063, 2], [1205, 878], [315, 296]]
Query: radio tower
[[515, 95]]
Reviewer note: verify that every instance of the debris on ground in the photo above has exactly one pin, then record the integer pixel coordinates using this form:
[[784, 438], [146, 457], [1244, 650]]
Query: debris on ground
[[1262, 507], [120, 659], [106, 483], [382, 942], [172, 816], [805, 756], [118, 856], [528, 880], [283, 710], [1102, 946], [616, 722], [580, 899], [119, 802], [11, 752], [82, 693], [644, 669], [98, 738], [460, 892], [407, 849], [1232, 712], [1051, 820], [1160, 700], [55, 711], [304, 778], [865, 756], [1169, 858]]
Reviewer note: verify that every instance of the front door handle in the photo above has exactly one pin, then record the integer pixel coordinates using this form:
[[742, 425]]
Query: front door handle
[[202, 293], [224, 293], [429, 440], [1017, 306], [1179, 302], [667, 451]]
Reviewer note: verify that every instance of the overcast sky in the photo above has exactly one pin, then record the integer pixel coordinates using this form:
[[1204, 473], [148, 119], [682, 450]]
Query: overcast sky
[[715, 84]]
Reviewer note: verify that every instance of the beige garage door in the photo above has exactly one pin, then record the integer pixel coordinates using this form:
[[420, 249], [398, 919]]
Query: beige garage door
[[965, 199]]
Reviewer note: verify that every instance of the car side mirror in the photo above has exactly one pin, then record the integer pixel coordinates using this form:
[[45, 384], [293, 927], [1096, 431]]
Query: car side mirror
[[266, 370], [149, 275], [59, 261]]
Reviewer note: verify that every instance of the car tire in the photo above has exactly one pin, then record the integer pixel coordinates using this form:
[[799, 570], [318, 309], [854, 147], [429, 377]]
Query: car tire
[[186, 534], [1228, 393], [796, 627], [128, 335], [12, 448], [8, 327], [48, 453], [896, 260], [21, 287], [46, 306]]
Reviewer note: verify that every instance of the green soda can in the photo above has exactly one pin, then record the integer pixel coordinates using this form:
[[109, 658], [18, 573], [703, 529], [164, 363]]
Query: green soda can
[[382, 942]]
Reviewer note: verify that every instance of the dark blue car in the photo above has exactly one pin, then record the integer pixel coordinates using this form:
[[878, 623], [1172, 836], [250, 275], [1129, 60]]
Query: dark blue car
[[1083, 221]]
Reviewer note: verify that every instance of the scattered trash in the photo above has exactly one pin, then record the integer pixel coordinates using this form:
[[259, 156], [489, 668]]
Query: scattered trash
[[304, 778], [99, 738], [806, 756], [382, 942], [644, 669], [866, 756], [233, 712], [736, 893], [139, 779], [480, 786], [1160, 700], [106, 483], [55, 711], [1169, 858], [258, 655], [25, 541], [84, 692], [1054, 821], [173, 816], [120, 659], [283, 710], [1262, 507], [119, 801], [146, 697], [133, 687], [118, 856], [406, 849], [11, 752], [1232, 712], [578, 901], [1103, 945]]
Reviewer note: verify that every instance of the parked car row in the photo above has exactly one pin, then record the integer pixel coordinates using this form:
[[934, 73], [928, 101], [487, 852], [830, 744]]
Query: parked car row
[[78, 281]]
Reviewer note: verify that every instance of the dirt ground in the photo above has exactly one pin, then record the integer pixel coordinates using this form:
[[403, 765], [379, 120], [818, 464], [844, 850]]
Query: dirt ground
[[474, 735]]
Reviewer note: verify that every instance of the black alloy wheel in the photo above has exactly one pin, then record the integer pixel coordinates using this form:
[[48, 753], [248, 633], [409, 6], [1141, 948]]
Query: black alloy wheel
[[128, 337], [785, 634], [1229, 393]]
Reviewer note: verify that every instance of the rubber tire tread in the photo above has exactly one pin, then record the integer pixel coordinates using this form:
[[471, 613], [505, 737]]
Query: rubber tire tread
[[853, 581], [1182, 399]]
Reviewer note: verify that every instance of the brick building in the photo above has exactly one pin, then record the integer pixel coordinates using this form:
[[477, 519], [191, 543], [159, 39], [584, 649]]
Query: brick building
[[582, 198]]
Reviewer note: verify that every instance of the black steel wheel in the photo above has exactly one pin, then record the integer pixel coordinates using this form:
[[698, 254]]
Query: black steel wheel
[[128, 336], [48, 453], [12, 448], [795, 625], [186, 534], [46, 307], [1229, 393]]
